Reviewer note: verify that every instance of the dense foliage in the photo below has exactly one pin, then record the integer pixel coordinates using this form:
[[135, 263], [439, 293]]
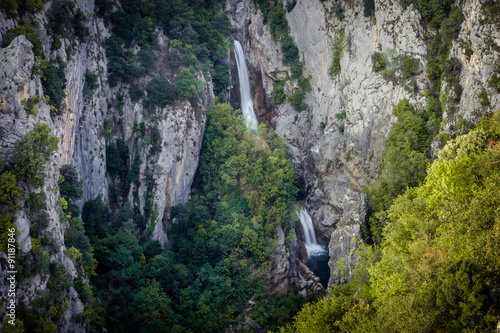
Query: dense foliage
[[274, 14], [198, 29], [32, 152], [438, 265], [220, 245]]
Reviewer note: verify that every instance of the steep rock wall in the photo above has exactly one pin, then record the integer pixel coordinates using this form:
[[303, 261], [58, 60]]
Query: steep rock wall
[[80, 130], [333, 165]]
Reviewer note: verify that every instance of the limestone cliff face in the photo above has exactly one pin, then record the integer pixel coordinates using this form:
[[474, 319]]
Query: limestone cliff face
[[333, 165], [80, 130]]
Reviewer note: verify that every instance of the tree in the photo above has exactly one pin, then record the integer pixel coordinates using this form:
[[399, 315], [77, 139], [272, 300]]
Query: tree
[[31, 153], [70, 185], [160, 92]]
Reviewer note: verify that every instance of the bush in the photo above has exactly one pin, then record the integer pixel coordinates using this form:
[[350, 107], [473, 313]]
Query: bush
[[483, 98], [338, 50], [31, 105], [297, 100], [278, 93], [338, 11], [278, 23], [160, 92], [379, 61], [408, 66], [289, 49], [136, 92], [31, 33], [31, 153], [70, 186], [37, 202], [369, 7], [185, 84], [146, 61], [9, 200], [117, 158], [90, 83], [54, 85]]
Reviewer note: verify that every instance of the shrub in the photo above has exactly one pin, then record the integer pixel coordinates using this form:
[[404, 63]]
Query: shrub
[[31, 33], [9, 200], [338, 50], [37, 202], [483, 98], [146, 61], [379, 61], [54, 85], [31, 153], [297, 100], [185, 85], [278, 23], [70, 186], [341, 115], [135, 92], [369, 7], [160, 92], [278, 93], [338, 11], [408, 66], [289, 49], [90, 83], [65, 21], [31, 105], [290, 5]]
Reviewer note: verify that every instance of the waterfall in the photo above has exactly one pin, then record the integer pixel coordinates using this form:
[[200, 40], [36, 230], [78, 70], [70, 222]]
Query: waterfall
[[246, 97], [312, 246]]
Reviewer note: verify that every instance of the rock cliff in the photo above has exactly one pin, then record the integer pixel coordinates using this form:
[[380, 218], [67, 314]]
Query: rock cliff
[[335, 154], [81, 130]]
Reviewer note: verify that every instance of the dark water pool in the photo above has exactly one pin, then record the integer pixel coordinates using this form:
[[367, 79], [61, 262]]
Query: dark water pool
[[318, 263]]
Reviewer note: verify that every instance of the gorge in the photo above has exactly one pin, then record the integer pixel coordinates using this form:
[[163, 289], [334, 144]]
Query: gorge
[[144, 202]]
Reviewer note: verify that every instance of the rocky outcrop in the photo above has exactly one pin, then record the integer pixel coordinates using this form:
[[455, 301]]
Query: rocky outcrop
[[80, 128], [332, 156], [289, 273]]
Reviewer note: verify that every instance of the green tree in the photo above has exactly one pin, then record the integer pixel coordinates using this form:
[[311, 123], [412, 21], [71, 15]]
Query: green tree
[[32, 152], [70, 185], [160, 92]]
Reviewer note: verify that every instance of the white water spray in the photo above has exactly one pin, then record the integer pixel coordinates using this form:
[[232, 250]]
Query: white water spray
[[246, 96], [312, 246]]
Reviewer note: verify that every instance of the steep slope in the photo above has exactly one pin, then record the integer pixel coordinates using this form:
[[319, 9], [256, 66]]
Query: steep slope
[[336, 143]]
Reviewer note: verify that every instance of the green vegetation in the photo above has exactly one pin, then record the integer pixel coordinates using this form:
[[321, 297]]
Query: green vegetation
[[483, 98], [379, 61], [437, 266], [54, 85], [31, 105], [494, 81], [30, 32], [160, 92], [9, 201], [198, 30], [368, 8], [291, 58], [338, 50], [338, 11], [187, 85], [31, 153], [403, 163], [278, 94], [17, 8], [66, 22], [220, 248], [90, 83]]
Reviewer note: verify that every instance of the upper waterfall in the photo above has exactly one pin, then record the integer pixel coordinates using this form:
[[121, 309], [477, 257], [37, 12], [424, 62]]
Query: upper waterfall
[[246, 97]]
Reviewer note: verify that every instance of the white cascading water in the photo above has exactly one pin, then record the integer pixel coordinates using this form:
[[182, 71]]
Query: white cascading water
[[312, 246], [246, 96]]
